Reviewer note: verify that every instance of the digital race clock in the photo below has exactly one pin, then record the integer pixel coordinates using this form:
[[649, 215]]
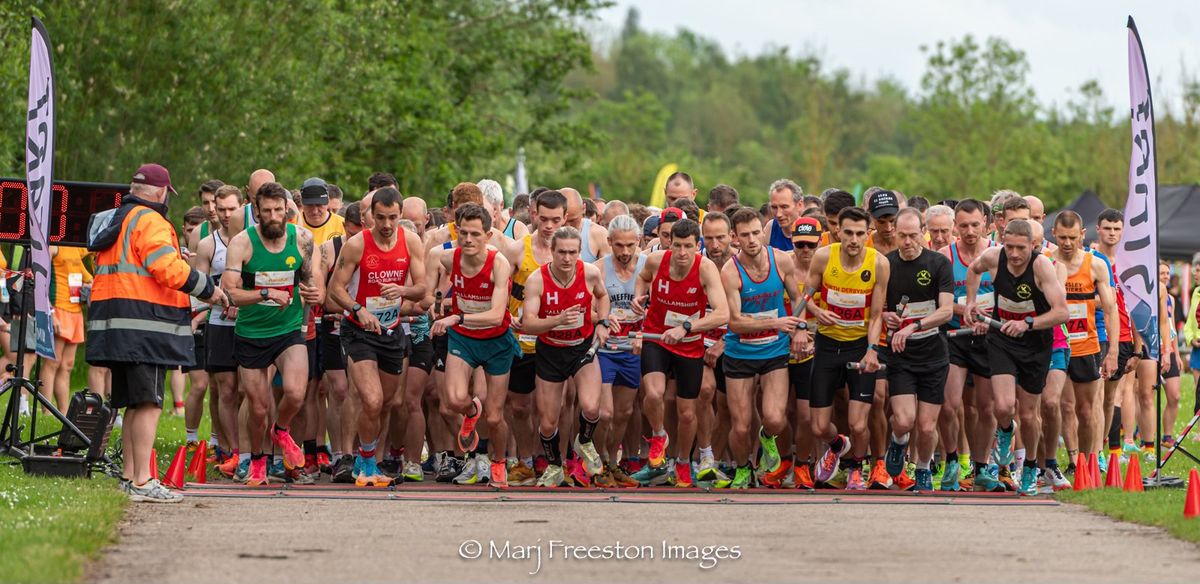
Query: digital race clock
[[71, 205]]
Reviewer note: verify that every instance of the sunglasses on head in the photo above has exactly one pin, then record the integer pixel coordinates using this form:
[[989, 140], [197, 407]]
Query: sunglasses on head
[[805, 244]]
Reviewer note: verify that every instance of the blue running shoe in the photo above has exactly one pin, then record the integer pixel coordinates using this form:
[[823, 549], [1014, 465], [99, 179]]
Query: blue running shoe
[[894, 459], [276, 470], [1029, 486], [1004, 440], [648, 473], [243, 468], [924, 478], [987, 482], [949, 480], [1103, 464]]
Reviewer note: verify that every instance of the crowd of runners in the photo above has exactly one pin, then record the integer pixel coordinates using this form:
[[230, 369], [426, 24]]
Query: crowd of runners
[[814, 342]]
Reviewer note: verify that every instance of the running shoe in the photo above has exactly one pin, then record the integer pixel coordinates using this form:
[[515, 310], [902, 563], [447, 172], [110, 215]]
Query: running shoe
[[589, 458], [1102, 462], [854, 480], [803, 476], [1028, 482], [552, 478], [1168, 442], [468, 475], [649, 474], [450, 469], [950, 476], [742, 478], [539, 464], [243, 469], [658, 449], [521, 476], [293, 455], [277, 470], [1129, 447], [229, 467], [1147, 454], [311, 467], [605, 480], [343, 470], [894, 459], [430, 464], [258, 473], [390, 467], [622, 479], [575, 474], [775, 479], [667, 478], [985, 482], [924, 480], [193, 446], [879, 479], [368, 474], [707, 470], [153, 492], [632, 465], [468, 438], [1004, 440], [827, 466], [323, 463], [1004, 476], [964, 465], [683, 475], [298, 476], [413, 472], [499, 478], [768, 458], [903, 482]]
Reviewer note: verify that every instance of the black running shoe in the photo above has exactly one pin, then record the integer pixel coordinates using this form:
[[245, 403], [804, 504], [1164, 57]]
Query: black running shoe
[[450, 468], [390, 467], [343, 470]]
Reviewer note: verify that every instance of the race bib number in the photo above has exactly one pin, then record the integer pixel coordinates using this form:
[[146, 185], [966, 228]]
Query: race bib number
[[576, 321], [914, 312], [623, 315], [761, 337], [469, 306], [674, 319], [1013, 310], [385, 310], [75, 284], [849, 309], [984, 302], [1077, 321], [275, 280]]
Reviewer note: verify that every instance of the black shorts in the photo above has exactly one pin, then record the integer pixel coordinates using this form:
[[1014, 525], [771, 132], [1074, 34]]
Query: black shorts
[[1173, 369], [1124, 354], [333, 357], [199, 350], [829, 373], [1084, 369], [314, 357], [441, 351], [970, 353], [421, 354], [1030, 367], [387, 351], [261, 353], [688, 372], [719, 373], [521, 376], [220, 342], [135, 384], [557, 364], [926, 380], [747, 368], [800, 376]]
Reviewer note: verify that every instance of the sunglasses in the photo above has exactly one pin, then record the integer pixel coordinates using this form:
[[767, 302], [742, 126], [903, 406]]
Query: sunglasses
[[805, 244]]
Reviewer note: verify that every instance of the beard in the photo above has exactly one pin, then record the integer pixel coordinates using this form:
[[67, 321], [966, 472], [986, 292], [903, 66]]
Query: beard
[[272, 230]]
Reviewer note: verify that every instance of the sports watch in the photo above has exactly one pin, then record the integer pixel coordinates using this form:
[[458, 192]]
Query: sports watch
[[1029, 323], [264, 293], [687, 326]]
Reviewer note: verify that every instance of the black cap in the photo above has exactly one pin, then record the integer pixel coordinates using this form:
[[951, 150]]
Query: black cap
[[314, 191], [883, 203]]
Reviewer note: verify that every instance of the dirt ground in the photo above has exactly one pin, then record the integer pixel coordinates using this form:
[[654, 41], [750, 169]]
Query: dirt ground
[[255, 541]]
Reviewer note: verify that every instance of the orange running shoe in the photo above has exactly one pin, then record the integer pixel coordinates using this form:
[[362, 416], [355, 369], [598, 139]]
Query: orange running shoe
[[258, 472], [621, 478], [879, 480], [293, 456], [605, 480], [468, 438], [775, 479], [658, 449], [903, 482], [323, 463], [802, 476], [499, 474], [228, 467], [576, 476], [683, 475]]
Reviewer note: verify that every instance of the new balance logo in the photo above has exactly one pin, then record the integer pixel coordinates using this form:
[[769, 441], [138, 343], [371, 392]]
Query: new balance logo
[[580, 295], [691, 291]]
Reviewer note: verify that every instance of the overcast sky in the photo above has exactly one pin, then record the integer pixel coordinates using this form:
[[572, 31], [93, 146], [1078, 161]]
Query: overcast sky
[[1066, 43]]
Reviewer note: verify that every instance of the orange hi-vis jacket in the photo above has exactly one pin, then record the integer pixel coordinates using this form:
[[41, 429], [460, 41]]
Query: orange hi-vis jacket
[[140, 311]]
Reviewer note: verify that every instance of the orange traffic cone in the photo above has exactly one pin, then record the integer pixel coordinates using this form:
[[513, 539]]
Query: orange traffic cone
[[153, 463], [174, 478], [1191, 508], [1095, 481], [1133, 476], [1113, 479], [1081, 473], [198, 468]]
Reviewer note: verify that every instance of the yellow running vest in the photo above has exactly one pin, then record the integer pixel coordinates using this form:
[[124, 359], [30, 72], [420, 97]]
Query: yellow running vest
[[847, 295]]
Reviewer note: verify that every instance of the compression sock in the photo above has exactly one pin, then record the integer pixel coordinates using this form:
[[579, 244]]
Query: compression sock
[[550, 448], [586, 428]]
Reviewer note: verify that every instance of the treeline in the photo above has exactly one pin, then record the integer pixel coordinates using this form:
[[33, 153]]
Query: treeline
[[441, 91]]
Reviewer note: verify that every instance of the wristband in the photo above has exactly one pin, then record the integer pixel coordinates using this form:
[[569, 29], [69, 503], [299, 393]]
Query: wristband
[[873, 347]]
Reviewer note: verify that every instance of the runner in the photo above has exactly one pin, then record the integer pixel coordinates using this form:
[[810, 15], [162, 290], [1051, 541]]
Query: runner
[[370, 283], [595, 237], [678, 284], [883, 205], [940, 226], [920, 298], [559, 302], [1109, 226], [758, 344], [478, 330], [265, 268], [713, 425], [806, 238], [852, 280], [620, 368], [785, 199], [1085, 276], [338, 461], [1029, 303], [968, 356]]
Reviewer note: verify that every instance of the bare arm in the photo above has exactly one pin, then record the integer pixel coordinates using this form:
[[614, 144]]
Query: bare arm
[[600, 236], [1056, 295], [710, 279], [532, 323], [883, 271], [312, 289], [339, 282], [201, 261], [236, 257], [985, 263]]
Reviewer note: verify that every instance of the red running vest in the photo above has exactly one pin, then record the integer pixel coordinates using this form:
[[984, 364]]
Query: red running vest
[[673, 302], [473, 295], [556, 299]]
